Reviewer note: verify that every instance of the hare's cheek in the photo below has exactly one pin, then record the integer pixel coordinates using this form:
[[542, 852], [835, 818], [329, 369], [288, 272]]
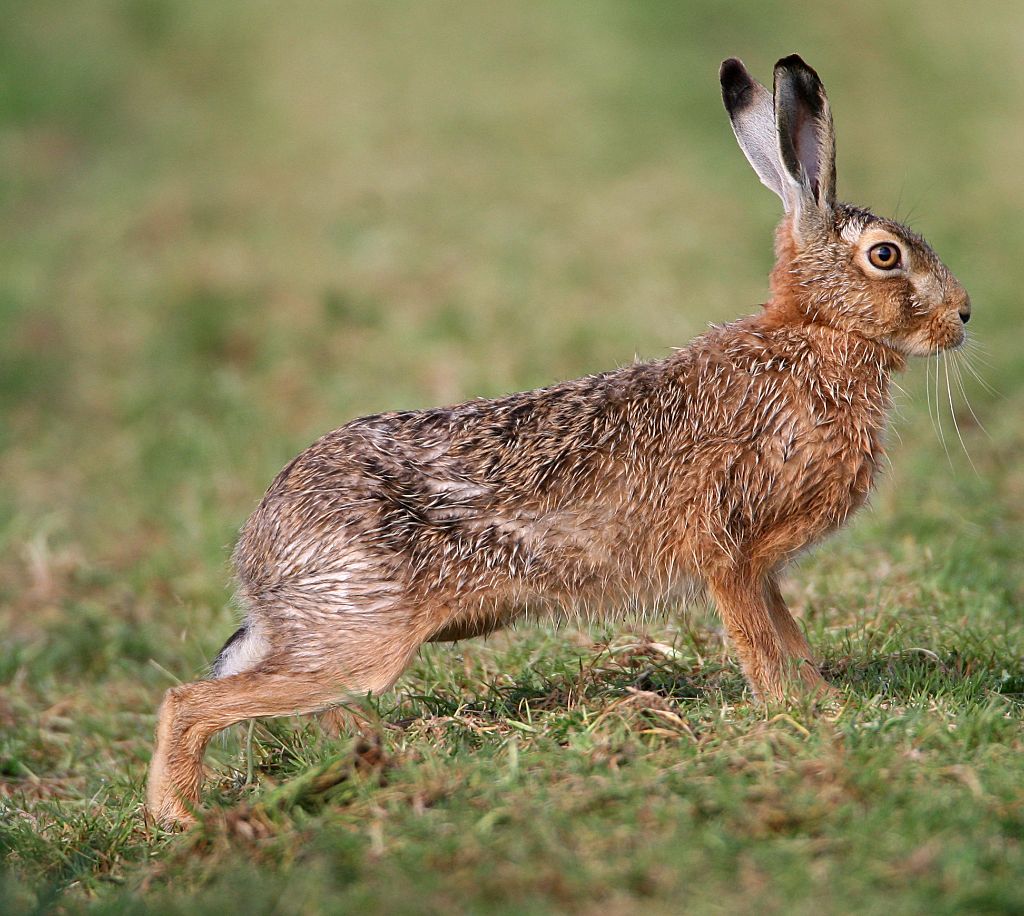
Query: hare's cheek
[[893, 316], [889, 313], [908, 308]]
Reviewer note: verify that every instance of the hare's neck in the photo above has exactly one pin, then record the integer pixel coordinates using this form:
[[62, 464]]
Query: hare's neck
[[851, 361], [854, 376], [845, 373]]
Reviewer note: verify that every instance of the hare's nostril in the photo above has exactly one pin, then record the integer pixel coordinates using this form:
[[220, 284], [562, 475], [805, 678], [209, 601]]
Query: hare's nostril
[[964, 309]]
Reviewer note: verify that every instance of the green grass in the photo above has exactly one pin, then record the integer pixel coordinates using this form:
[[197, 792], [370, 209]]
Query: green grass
[[230, 227]]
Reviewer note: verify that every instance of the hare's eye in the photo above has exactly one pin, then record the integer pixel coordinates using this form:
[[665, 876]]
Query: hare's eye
[[884, 256]]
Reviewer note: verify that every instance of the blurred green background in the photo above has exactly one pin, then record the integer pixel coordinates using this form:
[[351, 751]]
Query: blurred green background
[[228, 227]]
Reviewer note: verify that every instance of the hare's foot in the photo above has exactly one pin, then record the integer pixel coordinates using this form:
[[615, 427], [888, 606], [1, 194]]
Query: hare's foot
[[192, 714], [172, 788], [339, 721]]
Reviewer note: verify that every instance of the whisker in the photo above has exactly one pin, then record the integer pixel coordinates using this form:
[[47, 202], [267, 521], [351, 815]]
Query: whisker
[[899, 406], [928, 397], [978, 352], [899, 388], [938, 414], [952, 414], [975, 344], [899, 200], [981, 381], [963, 393], [982, 360]]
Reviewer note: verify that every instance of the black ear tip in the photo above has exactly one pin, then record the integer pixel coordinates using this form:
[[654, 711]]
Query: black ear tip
[[730, 67], [796, 66], [736, 83], [792, 62]]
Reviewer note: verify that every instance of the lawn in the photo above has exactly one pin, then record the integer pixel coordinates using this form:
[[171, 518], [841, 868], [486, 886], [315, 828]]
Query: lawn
[[230, 227]]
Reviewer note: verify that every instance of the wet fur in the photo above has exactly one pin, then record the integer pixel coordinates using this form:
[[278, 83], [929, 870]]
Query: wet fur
[[715, 466]]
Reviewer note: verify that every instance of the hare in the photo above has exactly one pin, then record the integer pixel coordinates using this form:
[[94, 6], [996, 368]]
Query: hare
[[715, 466]]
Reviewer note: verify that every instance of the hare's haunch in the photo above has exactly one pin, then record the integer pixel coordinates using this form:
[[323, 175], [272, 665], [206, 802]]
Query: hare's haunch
[[715, 466]]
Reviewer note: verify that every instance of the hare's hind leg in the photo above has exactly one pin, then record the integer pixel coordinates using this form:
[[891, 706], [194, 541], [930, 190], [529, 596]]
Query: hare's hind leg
[[367, 661], [192, 714]]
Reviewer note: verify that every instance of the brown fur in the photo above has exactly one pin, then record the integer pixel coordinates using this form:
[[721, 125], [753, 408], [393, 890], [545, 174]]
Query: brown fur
[[715, 466]]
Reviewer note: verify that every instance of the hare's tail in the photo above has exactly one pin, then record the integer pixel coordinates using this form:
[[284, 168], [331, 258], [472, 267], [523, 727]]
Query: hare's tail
[[243, 651]]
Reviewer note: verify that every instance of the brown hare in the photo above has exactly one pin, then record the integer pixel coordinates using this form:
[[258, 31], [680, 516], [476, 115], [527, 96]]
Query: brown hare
[[716, 467]]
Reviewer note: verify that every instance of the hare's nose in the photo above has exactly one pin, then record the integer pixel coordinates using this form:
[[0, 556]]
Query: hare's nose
[[964, 311]]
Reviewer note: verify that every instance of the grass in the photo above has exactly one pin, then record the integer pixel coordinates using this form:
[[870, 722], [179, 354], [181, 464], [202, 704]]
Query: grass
[[230, 227]]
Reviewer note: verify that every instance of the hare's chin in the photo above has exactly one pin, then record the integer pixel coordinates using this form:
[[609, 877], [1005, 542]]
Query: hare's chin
[[925, 344]]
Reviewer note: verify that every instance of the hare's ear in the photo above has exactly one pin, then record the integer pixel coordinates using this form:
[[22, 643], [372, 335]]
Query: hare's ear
[[752, 114], [807, 143]]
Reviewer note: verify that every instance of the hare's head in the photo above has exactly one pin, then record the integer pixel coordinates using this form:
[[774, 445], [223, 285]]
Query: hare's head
[[838, 265]]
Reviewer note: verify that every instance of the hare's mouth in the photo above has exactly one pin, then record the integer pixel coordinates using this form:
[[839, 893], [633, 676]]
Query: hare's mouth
[[953, 336], [937, 337]]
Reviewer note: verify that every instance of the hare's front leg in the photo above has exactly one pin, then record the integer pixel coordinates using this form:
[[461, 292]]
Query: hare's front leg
[[750, 620], [793, 641]]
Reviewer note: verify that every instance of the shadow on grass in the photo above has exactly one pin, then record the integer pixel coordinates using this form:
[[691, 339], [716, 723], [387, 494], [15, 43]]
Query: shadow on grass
[[905, 674], [602, 679]]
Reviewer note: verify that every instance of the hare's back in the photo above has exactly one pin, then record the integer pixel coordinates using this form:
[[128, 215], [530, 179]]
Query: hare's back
[[508, 484]]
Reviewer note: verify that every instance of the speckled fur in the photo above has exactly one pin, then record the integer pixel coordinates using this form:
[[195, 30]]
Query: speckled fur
[[715, 466]]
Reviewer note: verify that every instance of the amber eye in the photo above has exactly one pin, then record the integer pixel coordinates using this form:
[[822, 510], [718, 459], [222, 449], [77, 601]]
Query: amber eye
[[884, 256]]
